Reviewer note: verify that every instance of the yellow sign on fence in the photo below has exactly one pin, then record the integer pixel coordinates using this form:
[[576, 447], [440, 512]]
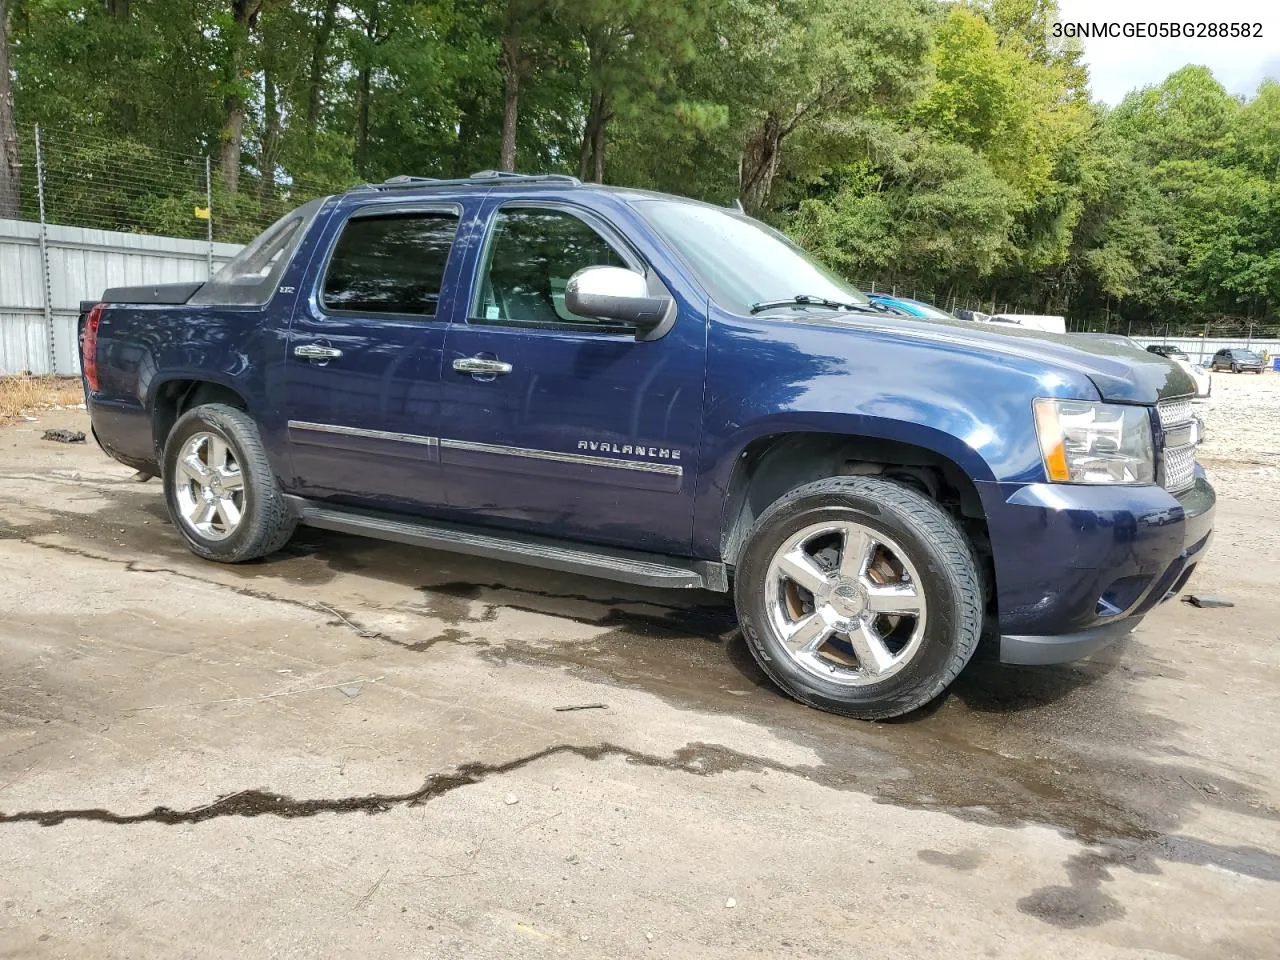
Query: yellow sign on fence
[[202, 213]]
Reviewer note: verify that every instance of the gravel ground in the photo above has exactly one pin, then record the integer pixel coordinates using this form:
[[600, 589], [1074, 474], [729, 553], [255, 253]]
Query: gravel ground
[[1242, 420], [1241, 449], [355, 749]]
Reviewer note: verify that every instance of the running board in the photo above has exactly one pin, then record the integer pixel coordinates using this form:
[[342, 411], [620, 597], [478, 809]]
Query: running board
[[627, 566]]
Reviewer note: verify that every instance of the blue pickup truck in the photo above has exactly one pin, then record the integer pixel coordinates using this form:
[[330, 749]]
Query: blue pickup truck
[[630, 385]]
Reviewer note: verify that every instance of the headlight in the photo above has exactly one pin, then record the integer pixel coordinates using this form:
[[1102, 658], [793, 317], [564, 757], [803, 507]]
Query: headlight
[[1084, 442]]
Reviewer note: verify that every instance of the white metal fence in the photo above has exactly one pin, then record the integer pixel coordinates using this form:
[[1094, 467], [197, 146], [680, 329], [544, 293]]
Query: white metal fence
[[43, 280]]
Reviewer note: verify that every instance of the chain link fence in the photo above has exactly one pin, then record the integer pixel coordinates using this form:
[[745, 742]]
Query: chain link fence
[[83, 212], [112, 184]]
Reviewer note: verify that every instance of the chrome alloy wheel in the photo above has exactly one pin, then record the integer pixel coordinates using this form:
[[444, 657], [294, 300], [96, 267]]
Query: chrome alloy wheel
[[210, 487], [846, 602]]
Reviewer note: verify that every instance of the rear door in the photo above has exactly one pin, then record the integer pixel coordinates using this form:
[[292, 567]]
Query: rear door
[[575, 429], [362, 397]]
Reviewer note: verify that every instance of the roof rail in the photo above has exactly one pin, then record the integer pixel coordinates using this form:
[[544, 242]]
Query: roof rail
[[405, 178], [481, 176], [510, 175]]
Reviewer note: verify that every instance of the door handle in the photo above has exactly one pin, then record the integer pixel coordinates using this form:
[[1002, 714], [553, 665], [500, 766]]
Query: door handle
[[481, 366], [314, 351]]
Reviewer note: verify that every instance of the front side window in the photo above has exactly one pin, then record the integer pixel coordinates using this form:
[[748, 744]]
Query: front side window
[[390, 264], [532, 255]]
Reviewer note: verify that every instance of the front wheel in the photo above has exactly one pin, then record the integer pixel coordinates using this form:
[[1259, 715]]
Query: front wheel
[[221, 492], [1235, 368], [859, 596]]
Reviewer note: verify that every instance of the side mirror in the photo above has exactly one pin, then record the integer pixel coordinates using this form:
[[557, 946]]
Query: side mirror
[[615, 294]]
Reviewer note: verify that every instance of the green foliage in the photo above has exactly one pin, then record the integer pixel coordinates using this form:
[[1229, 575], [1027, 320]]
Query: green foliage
[[945, 145], [918, 208]]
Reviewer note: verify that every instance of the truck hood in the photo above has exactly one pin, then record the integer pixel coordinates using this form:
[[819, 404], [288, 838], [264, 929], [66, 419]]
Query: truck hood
[[1119, 372]]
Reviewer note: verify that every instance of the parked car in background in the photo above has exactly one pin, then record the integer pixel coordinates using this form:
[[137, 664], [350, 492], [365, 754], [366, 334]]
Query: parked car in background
[[616, 383], [1201, 376], [1204, 382], [912, 308], [1237, 360], [1168, 351]]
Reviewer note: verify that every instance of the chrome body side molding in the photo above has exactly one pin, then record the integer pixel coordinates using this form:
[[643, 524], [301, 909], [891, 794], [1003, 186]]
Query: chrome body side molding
[[498, 449], [642, 466]]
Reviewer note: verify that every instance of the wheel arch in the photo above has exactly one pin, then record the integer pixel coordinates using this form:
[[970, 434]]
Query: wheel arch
[[774, 464], [173, 397]]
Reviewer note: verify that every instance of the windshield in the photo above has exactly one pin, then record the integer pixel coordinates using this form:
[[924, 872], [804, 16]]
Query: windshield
[[741, 261]]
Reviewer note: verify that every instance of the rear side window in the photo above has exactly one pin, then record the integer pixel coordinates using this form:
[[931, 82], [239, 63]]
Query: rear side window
[[250, 278], [390, 264]]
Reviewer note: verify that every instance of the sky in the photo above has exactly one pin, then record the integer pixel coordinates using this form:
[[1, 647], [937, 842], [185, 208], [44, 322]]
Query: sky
[[1119, 65]]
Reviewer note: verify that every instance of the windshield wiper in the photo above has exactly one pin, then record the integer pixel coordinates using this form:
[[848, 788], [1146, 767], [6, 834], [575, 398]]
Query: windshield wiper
[[804, 300]]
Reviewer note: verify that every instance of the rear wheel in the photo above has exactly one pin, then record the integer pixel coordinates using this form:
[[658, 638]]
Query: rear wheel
[[221, 492], [1235, 368], [859, 596]]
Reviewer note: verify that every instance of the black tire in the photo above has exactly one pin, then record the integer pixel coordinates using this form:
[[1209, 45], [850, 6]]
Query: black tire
[[267, 521], [1235, 368], [949, 575]]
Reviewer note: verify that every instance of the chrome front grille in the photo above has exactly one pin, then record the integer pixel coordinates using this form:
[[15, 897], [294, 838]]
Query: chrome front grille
[[1181, 435], [1179, 467], [1174, 413]]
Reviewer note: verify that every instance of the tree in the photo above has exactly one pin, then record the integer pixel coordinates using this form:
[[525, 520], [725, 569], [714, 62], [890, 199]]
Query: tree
[[237, 31], [944, 146], [633, 50], [10, 160], [813, 63], [916, 209], [319, 62], [520, 22]]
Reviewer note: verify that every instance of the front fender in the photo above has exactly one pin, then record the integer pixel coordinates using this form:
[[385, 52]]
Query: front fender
[[769, 377]]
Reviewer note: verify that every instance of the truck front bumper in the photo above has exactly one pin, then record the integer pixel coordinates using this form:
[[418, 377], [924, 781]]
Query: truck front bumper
[[1077, 567]]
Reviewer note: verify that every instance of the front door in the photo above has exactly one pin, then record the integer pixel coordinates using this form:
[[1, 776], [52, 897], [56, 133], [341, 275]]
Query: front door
[[564, 425], [362, 396]]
